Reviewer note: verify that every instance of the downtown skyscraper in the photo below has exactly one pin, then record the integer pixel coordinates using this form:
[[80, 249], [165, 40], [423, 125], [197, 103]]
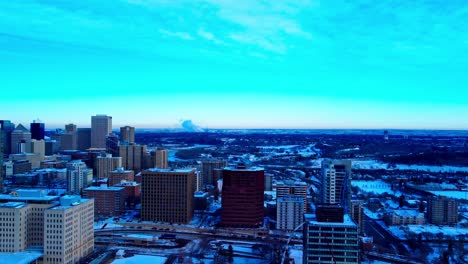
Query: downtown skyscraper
[[101, 126]]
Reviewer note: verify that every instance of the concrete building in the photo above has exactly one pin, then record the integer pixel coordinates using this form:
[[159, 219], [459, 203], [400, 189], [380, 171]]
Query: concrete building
[[34, 158], [242, 196], [132, 193], [101, 126], [38, 147], [13, 226], [120, 174], [336, 179], [37, 130], [79, 176], [159, 158], [83, 138], [404, 217], [357, 215], [127, 135], [18, 136], [133, 157], [105, 164], [442, 211], [295, 188], [167, 195], [112, 144], [207, 167], [289, 212], [68, 230], [330, 242], [108, 201]]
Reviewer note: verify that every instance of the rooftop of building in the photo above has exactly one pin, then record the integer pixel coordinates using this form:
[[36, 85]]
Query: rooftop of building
[[21, 257], [347, 221], [68, 201], [104, 188], [122, 170], [408, 213], [241, 167], [28, 195], [13, 205], [171, 170], [127, 183], [291, 183]]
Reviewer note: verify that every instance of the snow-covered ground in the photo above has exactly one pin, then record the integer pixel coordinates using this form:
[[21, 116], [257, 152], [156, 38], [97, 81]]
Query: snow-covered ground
[[141, 259], [461, 195]]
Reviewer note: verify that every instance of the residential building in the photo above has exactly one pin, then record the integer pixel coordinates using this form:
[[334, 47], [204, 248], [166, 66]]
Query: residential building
[[293, 188], [289, 212], [79, 176], [101, 126], [108, 201], [133, 157], [242, 196], [207, 167], [119, 174], [404, 217], [127, 134], [159, 158], [442, 211], [167, 195], [336, 179], [105, 164], [357, 215]]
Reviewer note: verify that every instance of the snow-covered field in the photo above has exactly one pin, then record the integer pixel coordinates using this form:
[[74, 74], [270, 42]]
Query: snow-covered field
[[141, 259], [377, 165]]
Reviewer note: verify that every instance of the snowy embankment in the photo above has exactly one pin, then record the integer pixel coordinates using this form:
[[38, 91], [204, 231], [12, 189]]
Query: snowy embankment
[[378, 165]]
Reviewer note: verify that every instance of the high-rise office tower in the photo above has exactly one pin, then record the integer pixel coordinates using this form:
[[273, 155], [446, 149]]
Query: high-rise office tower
[[242, 196], [18, 136], [290, 212], [330, 242], [83, 138], [79, 176], [127, 134], [442, 211], [133, 157], [207, 167], [167, 195], [68, 229], [6, 128], [69, 139], [101, 126], [336, 179], [293, 188], [159, 158], [105, 164], [37, 130], [112, 144]]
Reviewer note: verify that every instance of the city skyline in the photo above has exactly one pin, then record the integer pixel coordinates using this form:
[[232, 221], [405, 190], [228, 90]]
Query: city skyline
[[230, 64]]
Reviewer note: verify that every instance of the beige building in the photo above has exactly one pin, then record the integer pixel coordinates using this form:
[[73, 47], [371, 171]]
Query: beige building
[[38, 147], [289, 213], [68, 230], [293, 188], [159, 158], [79, 176], [101, 126], [105, 165], [167, 195], [13, 226], [404, 217], [133, 157]]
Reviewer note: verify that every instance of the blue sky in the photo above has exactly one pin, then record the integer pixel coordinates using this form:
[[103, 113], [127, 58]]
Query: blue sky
[[236, 64]]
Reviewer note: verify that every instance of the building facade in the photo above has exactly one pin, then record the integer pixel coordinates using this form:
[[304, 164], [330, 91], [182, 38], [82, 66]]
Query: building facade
[[120, 174], [159, 158], [127, 134], [167, 195], [101, 126], [442, 211], [293, 188], [133, 157], [108, 201], [79, 176], [242, 196], [289, 212], [105, 164], [207, 170]]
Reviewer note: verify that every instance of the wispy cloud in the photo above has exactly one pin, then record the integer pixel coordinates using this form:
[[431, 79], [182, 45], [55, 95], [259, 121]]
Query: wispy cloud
[[181, 35]]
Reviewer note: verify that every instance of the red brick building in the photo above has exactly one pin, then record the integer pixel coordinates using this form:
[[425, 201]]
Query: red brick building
[[108, 201], [116, 176]]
